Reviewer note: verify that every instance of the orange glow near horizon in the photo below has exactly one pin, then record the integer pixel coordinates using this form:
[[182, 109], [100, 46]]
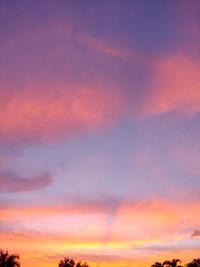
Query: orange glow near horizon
[[134, 228]]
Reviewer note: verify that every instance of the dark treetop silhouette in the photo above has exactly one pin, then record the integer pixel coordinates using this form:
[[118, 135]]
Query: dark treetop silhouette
[[194, 263], [157, 264], [66, 262], [7, 260], [12, 260], [173, 263]]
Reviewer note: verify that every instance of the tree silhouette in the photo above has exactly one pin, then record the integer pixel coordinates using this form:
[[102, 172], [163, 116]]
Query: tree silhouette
[[67, 262], [194, 263], [80, 264], [172, 263], [157, 264], [7, 260]]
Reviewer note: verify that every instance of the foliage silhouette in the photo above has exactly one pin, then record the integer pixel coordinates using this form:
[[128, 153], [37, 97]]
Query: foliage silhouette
[[7, 260], [157, 264], [79, 264], [172, 263], [67, 262], [194, 263], [12, 260]]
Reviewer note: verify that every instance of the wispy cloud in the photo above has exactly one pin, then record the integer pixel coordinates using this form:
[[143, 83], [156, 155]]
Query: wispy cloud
[[102, 46], [9, 182]]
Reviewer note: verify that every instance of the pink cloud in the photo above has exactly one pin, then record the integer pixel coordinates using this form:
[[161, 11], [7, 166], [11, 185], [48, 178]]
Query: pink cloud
[[151, 218], [176, 87], [36, 112], [54, 112], [51, 113]]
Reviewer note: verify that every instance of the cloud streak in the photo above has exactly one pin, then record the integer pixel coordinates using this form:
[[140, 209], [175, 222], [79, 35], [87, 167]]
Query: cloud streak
[[10, 182]]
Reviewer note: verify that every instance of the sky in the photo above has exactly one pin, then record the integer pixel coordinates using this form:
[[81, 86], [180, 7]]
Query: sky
[[99, 131]]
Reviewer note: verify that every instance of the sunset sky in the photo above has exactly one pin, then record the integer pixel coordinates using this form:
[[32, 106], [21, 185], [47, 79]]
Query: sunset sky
[[100, 131]]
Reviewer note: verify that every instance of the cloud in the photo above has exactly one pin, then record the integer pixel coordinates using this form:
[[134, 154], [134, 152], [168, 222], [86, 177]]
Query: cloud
[[51, 113], [33, 111], [196, 233], [151, 218], [175, 87], [101, 46], [65, 205], [9, 182]]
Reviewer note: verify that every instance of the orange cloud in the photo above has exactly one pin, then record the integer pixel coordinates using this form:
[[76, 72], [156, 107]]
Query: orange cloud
[[140, 231], [151, 218]]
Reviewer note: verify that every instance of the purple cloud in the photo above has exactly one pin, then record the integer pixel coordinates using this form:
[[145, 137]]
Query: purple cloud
[[196, 233], [10, 182]]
